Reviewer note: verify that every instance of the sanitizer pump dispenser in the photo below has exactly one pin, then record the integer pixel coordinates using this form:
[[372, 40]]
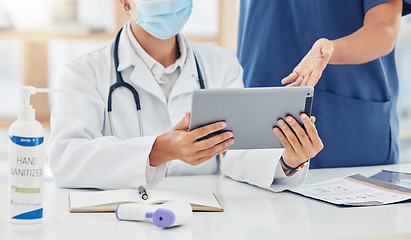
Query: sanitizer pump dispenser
[[26, 143]]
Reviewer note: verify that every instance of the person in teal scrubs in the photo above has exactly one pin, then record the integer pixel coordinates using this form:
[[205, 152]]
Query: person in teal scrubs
[[347, 49]]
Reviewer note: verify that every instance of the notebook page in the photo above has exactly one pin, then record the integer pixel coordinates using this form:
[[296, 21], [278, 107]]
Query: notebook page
[[87, 199]]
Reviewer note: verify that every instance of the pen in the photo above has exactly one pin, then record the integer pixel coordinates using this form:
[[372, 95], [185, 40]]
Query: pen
[[143, 193]]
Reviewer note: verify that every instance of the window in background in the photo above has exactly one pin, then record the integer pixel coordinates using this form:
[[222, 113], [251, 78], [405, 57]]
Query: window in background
[[97, 14], [403, 54], [58, 16], [28, 15], [204, 19], [5, 21], [10, 81], [10, 77]]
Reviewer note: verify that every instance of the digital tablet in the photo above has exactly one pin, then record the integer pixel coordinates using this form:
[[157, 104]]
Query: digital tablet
[[250, 113]]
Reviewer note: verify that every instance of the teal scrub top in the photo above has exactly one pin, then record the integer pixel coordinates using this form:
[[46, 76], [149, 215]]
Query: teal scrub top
[[355, 105]]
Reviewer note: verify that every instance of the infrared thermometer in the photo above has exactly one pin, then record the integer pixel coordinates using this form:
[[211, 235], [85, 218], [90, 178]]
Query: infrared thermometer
[[169, 214]]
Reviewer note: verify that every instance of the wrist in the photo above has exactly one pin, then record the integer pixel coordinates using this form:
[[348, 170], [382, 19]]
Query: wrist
[[326, 48], [286, 163], [291, 169], [337, 46], [159, 152]]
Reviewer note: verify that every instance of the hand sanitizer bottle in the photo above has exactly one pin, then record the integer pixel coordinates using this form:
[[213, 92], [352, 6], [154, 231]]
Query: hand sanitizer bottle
[[26, 141]]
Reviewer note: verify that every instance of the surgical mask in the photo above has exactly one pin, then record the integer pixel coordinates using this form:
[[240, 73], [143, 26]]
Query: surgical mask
[[163, 18]]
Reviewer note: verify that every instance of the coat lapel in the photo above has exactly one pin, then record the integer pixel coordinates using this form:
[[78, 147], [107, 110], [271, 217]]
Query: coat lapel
[[141, 77], [188, 79]]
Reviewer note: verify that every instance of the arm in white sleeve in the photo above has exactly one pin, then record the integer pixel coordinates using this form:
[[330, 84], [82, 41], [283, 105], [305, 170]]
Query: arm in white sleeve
[[154, 175], [261, 168], [80, 156]]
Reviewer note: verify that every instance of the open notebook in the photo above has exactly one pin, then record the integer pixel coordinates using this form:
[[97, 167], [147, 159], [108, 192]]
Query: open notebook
[[107, 201]]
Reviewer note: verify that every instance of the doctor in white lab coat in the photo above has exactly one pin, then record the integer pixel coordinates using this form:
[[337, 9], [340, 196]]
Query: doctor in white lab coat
[[160, 65]]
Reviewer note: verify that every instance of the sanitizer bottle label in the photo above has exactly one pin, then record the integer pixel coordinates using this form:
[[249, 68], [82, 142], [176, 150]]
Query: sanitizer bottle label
[[25, 178]]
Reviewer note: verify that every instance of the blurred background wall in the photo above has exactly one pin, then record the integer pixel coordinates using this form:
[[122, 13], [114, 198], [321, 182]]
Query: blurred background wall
[[38, 37]]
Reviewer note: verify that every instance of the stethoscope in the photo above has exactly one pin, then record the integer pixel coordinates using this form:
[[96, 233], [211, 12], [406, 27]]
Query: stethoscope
[[121, 83]]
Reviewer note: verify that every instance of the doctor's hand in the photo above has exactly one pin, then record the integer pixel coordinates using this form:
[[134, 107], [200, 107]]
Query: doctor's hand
[[299, 144], [310, 69], [180, 143]]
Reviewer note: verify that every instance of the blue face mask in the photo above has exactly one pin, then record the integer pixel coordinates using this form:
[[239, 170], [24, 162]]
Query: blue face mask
[[163, 18]]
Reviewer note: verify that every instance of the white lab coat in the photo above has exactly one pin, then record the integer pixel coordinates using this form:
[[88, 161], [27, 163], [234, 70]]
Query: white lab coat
[[83, 153]]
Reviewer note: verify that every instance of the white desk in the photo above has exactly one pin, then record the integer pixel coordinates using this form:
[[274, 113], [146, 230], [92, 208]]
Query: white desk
[[250, 213]]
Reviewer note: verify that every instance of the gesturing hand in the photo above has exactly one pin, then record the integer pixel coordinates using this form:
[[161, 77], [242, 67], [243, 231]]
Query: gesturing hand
[[179, 143], [310, 69]]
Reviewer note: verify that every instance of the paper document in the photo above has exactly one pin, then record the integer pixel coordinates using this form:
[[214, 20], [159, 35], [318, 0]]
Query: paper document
[[355, 190], [398, 178]]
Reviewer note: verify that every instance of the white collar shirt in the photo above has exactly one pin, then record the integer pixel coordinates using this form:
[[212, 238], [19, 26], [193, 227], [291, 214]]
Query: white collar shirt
[[165, 77]]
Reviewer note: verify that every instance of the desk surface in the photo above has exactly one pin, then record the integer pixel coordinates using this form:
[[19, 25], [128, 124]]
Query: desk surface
[[250, 213]]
